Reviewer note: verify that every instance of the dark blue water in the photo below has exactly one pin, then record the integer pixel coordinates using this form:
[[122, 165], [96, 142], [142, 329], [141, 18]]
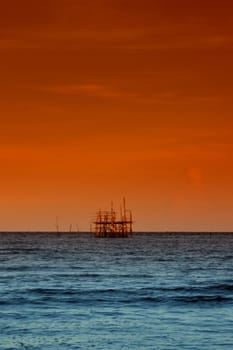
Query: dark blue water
[[152, 291]]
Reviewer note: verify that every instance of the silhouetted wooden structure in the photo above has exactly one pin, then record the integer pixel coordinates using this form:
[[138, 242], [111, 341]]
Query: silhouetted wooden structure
[[108, 224]]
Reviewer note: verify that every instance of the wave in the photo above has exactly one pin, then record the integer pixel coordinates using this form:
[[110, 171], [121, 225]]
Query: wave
[[214, 287], [180, 295], [202, 290], [145, 301], [203, 298], [182, 299]]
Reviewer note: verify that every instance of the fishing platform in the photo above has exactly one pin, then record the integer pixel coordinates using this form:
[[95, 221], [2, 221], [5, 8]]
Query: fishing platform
[[111, 224]]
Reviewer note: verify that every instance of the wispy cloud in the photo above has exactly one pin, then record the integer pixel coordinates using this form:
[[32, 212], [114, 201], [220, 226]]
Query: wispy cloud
[[160, 42], [85, 89], [135, 95], [106, 91]]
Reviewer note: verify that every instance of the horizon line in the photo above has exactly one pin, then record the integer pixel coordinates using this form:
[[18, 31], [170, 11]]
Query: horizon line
[[135, 232]]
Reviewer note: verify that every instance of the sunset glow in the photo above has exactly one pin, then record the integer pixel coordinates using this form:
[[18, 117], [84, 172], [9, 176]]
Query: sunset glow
[[110, 98]]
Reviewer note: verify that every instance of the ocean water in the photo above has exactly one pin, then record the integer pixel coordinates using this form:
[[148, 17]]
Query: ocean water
[[153, 291]]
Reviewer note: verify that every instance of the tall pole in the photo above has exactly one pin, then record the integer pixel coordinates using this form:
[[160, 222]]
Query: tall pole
[[131, 222], [124, 210], [57, 225]]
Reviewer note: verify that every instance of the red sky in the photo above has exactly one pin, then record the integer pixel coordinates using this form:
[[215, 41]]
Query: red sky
[[112, 98]]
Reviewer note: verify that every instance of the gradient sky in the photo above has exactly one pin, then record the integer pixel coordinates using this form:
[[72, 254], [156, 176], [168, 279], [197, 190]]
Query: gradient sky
[[102, 99]]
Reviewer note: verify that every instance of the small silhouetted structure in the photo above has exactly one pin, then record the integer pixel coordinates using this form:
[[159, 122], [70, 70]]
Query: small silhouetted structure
[[57, 225], [108, 224]]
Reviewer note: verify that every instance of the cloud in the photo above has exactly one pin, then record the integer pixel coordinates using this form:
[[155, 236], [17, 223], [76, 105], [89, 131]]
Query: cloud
[[126, 25], [155, 41], [134, 95], [104, 91], [84, 89]]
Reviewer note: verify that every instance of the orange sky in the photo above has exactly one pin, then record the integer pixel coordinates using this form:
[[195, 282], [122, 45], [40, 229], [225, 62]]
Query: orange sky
[[101, 99]]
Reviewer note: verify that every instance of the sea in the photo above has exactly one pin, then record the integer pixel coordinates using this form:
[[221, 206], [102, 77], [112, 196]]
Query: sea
[[155, 291]]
